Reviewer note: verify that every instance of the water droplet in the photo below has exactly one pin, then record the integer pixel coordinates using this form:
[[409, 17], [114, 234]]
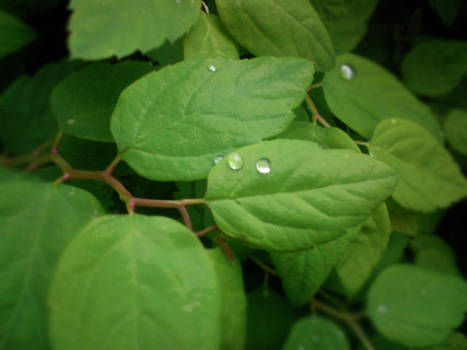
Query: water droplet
[[347, 72], [70, 121], [263, 166], [382, 309], [218, 159], [235, 161], [212, 68], [393, 121]]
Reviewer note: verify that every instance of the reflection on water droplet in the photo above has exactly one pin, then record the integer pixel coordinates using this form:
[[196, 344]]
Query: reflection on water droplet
[[263, 166], [235, 161], [218, 159], [382, 309], [347, 72], [70, 121], [212, 68]]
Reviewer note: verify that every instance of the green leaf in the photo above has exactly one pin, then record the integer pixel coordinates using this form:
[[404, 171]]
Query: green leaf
[[403, 220], [37, 221], [364, 253], [14, 34], [430, 178], [327, 137], [361, 94], [135, 282], [279, 28], [25, 114], [208, 38], [303, 273], [168, 53], [448, 10], [311, 196], [172, 124], [455, 126], [84, 101], [434, 254], [343, 21], [101, 29], [316, 333], [270, 318], [393, 253], [435, 67], [233, 307], [416, 307]]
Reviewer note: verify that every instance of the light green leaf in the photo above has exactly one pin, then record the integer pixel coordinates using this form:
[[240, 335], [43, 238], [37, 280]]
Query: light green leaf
[[343, 20], [135, 282], [172, 124], [416, 307], [435, 67], [309, 197], [25, 116], [316, 333], [37, 221], [434, 254], [303, 273], [104, 28], [233, 306], [327, 137], [84, 101], [363, 254], [270, 318], [14, 34], [403, 220], [208, 38], [455, 126], [279, 28], [361, 94], [430, 178], [448, 10]]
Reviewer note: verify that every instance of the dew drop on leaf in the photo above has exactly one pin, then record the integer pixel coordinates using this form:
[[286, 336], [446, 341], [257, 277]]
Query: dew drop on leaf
[[393, 121], [218, 159], [70, 121], [263, 166], [347, 72], [212, 68], [382, 309], [235, 161]]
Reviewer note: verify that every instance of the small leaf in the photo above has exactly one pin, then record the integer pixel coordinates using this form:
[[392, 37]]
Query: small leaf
[[448, 10], [316, 333], [430, 178], [362, 94], [84, 101], [173, 124], [14, 34], [416, 307], [403, 220], [233, 307], [159, 273], [279, 28], [37, 221], [101, 29], [208, 38], [455, 126], [309, 196], [434, 254], [436, 67]]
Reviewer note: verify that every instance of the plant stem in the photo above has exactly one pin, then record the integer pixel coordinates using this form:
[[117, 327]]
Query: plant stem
[[265, 267], [225, 247], [314, 86], [206, 230], [314, 110]]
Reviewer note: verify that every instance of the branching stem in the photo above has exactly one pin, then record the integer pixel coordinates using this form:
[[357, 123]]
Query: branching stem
[[314, 110]]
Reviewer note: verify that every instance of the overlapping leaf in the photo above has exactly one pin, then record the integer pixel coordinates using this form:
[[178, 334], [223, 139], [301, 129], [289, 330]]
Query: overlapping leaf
[[279, 28], [172, 124], [14, 34], [135, 282], [101, 29], [430, 178], [455, 126], [37, 221], [310, 196]]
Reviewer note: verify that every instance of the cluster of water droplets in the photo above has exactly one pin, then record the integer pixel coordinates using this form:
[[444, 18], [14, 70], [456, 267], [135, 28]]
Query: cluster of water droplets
[[347, 72], [235, 162]]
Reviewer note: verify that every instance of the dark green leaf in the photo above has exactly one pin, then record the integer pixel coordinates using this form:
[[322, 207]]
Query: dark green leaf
[[455, 126], [448, 10], [434, 254], [14, 34], [168, 53], [403, 220]]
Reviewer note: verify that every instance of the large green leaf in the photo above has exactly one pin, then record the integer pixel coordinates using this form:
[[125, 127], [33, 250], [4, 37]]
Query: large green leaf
[[436, 67], [37, 221], [291, 195], [361, 94], [430, 178], [416, 307], [84, 101], [208, 38], [135, 282], [455, 126], [278, 28], [172, 124], [14, 34], [363, 254], [103, 28], [316, 333], [25, 116], [233, 307]]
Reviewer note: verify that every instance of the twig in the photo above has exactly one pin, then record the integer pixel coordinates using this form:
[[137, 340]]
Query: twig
[[225, 247], [314, 86], [206, 7], [265, 267], [314, 110], [206, 230]]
